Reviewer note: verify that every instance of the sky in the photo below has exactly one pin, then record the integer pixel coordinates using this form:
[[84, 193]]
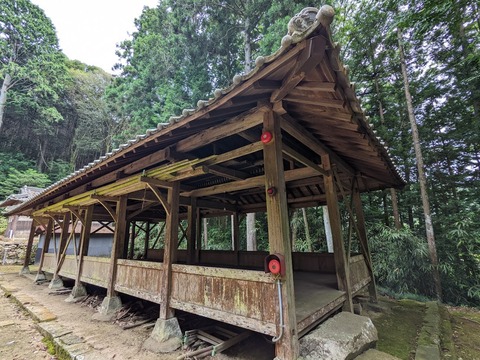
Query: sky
[[88, 30]]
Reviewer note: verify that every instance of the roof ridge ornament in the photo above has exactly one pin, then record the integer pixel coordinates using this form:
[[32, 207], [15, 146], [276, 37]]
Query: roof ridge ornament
[[308, 19]]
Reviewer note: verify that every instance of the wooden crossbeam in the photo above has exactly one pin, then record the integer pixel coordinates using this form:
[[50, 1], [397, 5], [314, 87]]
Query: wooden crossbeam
[[308, 59], [257, 181], [231, 127], [306, 138], [302, 159], [225, 172], [317, 86]]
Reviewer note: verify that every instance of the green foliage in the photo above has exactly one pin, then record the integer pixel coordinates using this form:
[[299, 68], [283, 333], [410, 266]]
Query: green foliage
[[16, 172], [3, 224], [401, 260]]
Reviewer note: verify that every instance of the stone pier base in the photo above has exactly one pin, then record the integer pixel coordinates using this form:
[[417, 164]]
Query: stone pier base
[[25, 271], [40, 276], [56, 283], [78, 293], [110, 304], [165, 337]]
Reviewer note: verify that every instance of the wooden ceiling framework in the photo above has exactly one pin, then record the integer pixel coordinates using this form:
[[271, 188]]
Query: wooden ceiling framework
[[215, 151]]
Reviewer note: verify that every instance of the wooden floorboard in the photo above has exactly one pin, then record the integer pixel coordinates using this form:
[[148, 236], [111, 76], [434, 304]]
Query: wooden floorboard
[[315, 292]]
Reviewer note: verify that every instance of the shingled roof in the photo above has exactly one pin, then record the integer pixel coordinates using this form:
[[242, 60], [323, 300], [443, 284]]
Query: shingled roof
[[305, 74]]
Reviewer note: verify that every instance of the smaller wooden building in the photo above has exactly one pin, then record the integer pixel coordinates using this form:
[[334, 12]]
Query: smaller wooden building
[[289, 134], [19, 225]]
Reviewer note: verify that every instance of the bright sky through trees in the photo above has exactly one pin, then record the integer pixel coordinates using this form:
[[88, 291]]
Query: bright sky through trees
[[88, 30]]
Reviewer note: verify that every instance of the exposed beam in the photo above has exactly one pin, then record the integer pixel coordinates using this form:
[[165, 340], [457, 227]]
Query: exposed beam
[[161, 197], [225, 172], [257, 181], [302, 159], [231, 127], [306, 138], [316, 86], [307, 60], [109, 209]]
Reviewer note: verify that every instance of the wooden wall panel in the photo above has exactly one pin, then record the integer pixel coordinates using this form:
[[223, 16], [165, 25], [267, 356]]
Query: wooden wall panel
[[95, 270], [139, 278], [359, 274], [49, 262], [240, 297]]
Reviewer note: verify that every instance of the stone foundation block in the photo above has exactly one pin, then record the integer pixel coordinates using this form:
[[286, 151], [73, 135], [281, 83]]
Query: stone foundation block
[[78, 293], [56, 283], [165, 337], [110, 304], [342, 337]]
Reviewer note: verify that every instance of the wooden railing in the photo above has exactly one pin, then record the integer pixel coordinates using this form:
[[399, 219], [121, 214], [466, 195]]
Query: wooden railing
[[139, 278], [239, 297], [359, 274]]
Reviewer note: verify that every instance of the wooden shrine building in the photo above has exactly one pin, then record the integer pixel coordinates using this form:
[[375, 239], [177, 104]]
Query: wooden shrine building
[[289, 134]]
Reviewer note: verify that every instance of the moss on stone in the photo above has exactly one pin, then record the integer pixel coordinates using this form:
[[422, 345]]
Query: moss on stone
[[398, 328]]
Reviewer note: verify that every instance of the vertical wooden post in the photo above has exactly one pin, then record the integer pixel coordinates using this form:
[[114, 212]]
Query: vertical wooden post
[[170, 251], [63, 243], [147, 240], [46, 245], [236, 236], [84, 241], [28, 253], [118, 243], [341, 265], [279, 234], [198, 236], [191, 231], [364, 248], [132, 240]]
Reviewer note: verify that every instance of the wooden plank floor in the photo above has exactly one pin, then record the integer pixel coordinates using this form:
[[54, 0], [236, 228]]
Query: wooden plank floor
[[316, 296]]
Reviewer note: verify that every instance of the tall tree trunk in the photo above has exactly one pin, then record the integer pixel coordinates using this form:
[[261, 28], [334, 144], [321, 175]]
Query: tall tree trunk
[[205, 233], [396, 214], [307, 230], [251, 233], [7, 81], [247, 45], [328, 229], [421, 173]]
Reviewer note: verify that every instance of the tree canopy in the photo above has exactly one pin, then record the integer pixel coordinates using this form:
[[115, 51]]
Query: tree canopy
[[60, 114]]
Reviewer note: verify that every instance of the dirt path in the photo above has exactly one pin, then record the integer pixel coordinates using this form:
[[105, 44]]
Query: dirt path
[[18, 337]]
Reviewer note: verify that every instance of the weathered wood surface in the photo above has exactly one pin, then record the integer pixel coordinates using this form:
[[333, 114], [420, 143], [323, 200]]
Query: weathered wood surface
[[139, 278], [238, 297], [95, 270], [359, 273]]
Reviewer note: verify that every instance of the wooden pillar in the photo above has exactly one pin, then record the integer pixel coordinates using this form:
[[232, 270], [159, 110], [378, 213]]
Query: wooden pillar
[[46, 244], [118, 243], [279, 234], [84, 241], [170, 250], [147, 239], [198, 236], [364, 248], [191, 231], [28, 253], [132, 240], [341, 265], [63, 243], [236, 236]]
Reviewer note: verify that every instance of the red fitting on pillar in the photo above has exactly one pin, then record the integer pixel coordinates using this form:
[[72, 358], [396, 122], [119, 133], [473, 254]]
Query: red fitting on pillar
[[274, 266], [266, 137], [271, 191]]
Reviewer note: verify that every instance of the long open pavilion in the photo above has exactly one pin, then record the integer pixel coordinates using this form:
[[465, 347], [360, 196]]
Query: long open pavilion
[[289, 134]]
